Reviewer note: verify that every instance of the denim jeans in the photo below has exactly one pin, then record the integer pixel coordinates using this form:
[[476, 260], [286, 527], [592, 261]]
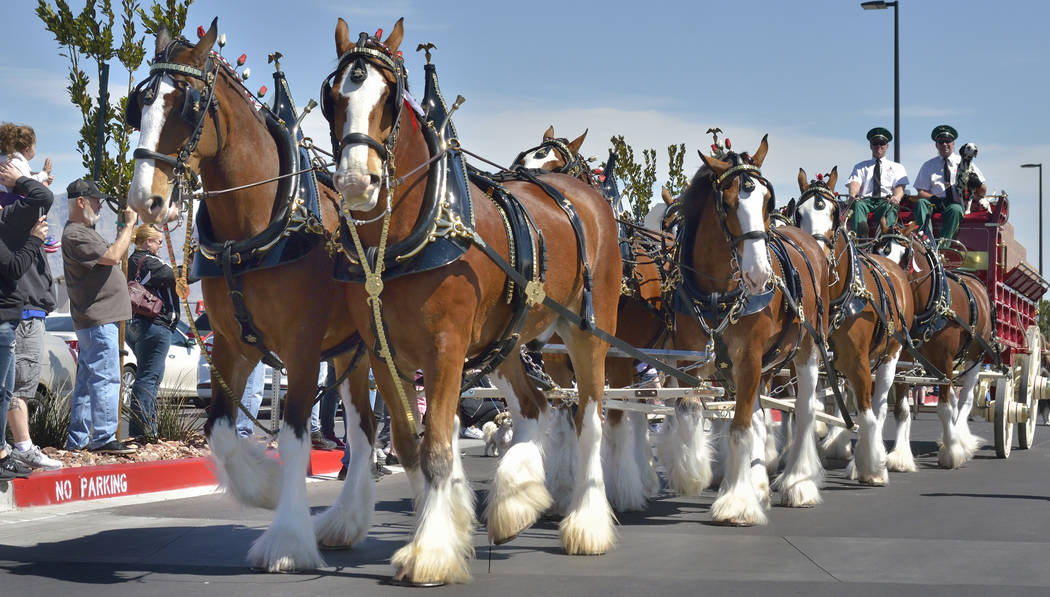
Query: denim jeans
[[93, 412], [252, 399], [7, 372], [329, 404], [150, 343]]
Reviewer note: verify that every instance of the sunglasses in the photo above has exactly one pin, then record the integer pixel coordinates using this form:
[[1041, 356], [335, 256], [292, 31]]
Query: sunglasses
[[880, 143], [944, 140]]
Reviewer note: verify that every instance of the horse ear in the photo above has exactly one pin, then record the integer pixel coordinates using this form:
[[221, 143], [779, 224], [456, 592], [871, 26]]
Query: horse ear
[[789, 209], [833, 178], [760, 153], [715, 164], [200, 51], [549, 133], [163, 39], [802, 182], [397, 34], [342, 37], [666, 196], [575, 145]]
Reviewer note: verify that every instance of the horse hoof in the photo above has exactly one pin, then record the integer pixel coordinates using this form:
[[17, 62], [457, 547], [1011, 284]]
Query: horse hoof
[[733, 523], [331, 547], [399, 580], [503, 540]]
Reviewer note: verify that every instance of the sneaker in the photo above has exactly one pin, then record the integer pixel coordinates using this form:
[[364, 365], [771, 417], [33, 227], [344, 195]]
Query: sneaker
[[320, 443], [13, 469], [473, 433], [391, 458], [35, 458], [113, 447], [335, 440]]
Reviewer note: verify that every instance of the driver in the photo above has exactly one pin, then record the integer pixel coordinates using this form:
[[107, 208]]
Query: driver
[[935, 185], [876, 185]]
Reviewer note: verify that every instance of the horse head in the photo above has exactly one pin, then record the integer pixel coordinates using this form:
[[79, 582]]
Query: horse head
[[743, 199], [554, 154], [171, 110], [817, 211], [902, 246], [363, 99]]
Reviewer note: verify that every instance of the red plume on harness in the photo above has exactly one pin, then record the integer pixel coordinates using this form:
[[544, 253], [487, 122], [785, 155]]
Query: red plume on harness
[[200, 31], [729, 145]]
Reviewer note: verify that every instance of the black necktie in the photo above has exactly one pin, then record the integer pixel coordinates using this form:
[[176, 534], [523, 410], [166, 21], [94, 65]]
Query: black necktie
[[947, 181], [876, 180]]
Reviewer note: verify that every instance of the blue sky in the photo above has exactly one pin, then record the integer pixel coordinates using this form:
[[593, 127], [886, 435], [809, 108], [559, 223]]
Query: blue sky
[[815, 75]]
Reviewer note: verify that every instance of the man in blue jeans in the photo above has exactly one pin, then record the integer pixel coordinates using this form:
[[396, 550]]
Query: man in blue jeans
[[98, 299], [251, 399]]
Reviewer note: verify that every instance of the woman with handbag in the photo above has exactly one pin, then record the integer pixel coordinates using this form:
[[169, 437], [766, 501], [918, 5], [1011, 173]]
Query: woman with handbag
[[149, 331]]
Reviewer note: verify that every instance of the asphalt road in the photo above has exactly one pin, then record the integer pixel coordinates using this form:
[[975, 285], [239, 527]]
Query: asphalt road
[[979, 530]]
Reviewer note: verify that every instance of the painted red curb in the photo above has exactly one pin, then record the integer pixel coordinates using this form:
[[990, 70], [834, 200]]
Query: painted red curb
[[133, 478]]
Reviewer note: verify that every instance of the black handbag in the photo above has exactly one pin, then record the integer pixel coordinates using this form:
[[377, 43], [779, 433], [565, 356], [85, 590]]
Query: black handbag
[[143, 302]]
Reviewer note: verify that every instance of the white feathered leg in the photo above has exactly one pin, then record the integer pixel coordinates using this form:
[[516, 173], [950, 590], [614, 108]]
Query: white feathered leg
[[623, 478], [952, 453], [589, 528], [759, 473], [684, 450], [901, 459], [441, 547], [837, 443], [971, 443], [737, 502], [289, 544], [643, 454], [871, 450], [559, 451], [346, 523], [244, 468], [519, 491], [774, 441], [799, 484]]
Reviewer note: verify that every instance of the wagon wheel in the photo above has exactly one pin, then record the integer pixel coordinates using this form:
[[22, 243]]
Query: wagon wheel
[[1027, 390], [1004, 431]]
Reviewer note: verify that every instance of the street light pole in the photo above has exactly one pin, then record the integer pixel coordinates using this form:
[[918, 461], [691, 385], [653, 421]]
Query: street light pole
[[1040, 166], [882, 5]]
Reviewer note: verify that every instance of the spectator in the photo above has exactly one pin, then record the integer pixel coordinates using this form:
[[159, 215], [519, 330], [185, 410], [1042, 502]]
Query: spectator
[[22, 232], [18, 146], [935, 185], [98, 299], [876, 185], [317, 440], [150, 338], [37, 293], [329, 408], [251, 399]]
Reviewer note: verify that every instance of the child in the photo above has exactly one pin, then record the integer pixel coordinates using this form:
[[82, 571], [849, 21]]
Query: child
[[18, 146]]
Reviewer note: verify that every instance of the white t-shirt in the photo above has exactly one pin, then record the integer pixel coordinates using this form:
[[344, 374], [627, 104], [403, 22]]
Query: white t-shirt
[[931, 175], [892, 175], [22, 164]]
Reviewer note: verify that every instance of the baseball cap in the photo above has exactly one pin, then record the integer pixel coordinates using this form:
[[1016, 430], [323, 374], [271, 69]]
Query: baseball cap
[[83, 187]]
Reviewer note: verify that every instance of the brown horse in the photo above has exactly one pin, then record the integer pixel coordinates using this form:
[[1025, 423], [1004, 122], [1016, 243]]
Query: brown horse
[[948, 342], [434, 319], [630, 478], [758, 313], [195, 115], [871, 300]]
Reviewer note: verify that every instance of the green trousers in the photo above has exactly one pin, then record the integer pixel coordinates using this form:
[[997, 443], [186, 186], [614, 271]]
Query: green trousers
[[880, 207], [951, 215]]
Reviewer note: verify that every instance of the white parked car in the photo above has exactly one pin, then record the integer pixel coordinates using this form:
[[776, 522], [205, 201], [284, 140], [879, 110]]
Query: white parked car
[[58, 368], [180, 368]]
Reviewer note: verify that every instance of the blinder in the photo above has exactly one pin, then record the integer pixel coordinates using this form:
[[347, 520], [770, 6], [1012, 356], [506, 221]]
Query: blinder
[[821, 196]]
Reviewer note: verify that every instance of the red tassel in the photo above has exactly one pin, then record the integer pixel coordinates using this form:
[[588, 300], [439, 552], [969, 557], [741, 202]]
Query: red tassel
[[262, 91], [200, 31], [728, 144], [820, 177], [242, 59], [714, 148], [379, 34]]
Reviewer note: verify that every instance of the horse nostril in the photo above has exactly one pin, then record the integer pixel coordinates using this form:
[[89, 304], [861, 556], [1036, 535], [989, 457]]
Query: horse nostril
[[373, 179], [156, 202]]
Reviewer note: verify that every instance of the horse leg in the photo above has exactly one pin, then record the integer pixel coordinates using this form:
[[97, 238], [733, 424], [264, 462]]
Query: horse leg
[[952, 453], [290, 544], [970, 442], [441, 546], [624, 485], [836, 444], [242, 465], [559, 450], [759, 472], [685, 450], [901, 459], [871, 450], [799, 484], [519, 492], [346, 523], [405, 438], [737, 502], [588, 529]]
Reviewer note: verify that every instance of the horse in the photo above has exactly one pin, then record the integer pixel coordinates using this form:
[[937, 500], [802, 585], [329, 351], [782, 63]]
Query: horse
[[434, 319], [731, 301], [630, 478], [872, 302], [957, 333], [195, 116]]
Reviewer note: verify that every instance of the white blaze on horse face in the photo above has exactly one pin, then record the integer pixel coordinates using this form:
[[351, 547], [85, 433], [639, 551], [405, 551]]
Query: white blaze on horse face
[[150, 190], [814, 220], [354, 179], [754, 264], [536, 161]]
